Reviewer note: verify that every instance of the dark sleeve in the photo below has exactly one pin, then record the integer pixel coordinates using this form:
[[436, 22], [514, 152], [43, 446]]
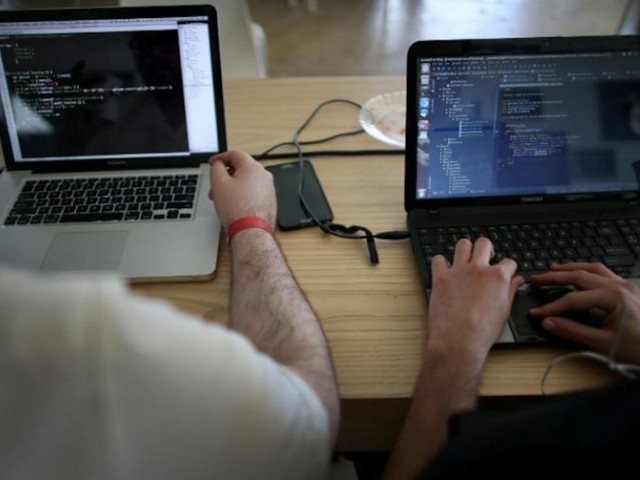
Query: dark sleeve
[[585, 435]]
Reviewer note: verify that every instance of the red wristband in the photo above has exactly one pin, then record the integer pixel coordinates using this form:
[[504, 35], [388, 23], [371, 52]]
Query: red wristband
[[247, 222]]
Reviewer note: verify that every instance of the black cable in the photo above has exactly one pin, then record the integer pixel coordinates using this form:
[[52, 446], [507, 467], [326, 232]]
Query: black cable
[[356, 232], [324, 153], [267, 155], [309, 119], [320, 107]]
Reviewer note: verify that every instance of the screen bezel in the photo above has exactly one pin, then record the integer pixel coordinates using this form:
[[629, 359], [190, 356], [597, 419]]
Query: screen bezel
[[120, 163], [506, 47]]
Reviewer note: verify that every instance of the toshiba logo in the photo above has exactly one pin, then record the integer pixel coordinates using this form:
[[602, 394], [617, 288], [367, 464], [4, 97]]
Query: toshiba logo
[[531, 199]]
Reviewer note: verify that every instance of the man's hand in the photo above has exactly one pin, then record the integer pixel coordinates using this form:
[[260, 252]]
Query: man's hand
[[470, 301], [267, 304], [241, 187], [598, 287], [469, 306]]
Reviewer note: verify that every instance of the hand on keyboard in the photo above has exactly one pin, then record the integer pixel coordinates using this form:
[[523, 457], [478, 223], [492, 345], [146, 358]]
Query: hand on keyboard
[[470, 300], [598, 287], [535, 246]]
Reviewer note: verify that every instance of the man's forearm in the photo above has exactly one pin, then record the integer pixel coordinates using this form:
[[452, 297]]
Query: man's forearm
[[268, 306], [442, 389]]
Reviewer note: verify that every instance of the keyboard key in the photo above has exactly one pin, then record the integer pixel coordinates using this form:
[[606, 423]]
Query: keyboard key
[[606, 231], [178, 205], [616, 240], [23, 211], [24, 203], [433, 249], [90, 217], [526, 266], [619, 260], [540, 264], [617, 250], [624, 272]]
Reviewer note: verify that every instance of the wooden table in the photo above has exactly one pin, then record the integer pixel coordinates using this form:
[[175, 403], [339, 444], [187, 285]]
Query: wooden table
[[374, 316]]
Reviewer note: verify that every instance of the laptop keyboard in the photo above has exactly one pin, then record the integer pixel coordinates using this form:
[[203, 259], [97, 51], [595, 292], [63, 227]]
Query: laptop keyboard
[[104, 199], [615, 243]]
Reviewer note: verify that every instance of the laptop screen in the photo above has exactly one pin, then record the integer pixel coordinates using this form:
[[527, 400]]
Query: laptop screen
[[526, 125], [109, 89]]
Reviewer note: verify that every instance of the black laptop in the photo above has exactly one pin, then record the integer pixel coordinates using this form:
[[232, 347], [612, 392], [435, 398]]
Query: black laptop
[[533, 143]]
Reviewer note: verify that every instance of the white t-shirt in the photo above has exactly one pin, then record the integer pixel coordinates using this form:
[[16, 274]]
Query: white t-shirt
[[96, 383]]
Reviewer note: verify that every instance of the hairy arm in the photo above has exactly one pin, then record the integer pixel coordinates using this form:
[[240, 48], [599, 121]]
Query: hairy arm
[[442, 389], [468, 308], [267, 304]]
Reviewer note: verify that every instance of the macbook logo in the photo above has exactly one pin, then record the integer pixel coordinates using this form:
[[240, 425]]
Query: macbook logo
[[531, 199], [117, 163]]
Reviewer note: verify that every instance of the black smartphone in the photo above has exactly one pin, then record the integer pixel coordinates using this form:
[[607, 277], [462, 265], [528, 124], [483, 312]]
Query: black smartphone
[[291, 215]]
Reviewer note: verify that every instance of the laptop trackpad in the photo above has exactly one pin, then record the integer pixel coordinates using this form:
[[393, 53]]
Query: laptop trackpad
[[79, 251]]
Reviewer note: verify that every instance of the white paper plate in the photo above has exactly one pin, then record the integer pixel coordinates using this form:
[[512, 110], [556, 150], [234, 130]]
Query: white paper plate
[[383, 117]]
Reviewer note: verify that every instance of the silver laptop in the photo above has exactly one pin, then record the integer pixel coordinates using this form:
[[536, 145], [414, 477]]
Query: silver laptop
[[107, 119], [532, 143]]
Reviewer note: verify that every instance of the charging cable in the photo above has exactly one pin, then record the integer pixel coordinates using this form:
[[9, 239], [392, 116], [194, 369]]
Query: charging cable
[[628, 371], [352, 232]]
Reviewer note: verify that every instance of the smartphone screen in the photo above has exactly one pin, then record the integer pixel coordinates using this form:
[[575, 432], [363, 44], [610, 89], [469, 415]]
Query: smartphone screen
[[291, 215]]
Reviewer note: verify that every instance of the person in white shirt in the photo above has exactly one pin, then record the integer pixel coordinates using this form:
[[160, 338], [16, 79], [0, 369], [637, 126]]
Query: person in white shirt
[[97, 383]]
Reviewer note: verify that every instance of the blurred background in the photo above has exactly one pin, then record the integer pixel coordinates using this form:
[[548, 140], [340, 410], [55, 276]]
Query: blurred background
[[371, 37]]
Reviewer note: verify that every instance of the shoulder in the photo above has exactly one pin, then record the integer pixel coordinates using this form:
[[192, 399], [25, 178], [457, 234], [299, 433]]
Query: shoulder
[[575, 435], [167, 384], [50, 313]]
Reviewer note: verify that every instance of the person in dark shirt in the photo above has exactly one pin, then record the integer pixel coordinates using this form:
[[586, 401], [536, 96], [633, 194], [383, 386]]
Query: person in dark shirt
[[581, 435]]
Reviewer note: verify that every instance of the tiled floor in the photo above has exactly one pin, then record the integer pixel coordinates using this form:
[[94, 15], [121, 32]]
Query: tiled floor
[[368, 37]]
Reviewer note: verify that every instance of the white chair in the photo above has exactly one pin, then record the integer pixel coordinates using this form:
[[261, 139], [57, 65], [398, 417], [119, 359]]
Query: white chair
[[243, 43], [630, 22]]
